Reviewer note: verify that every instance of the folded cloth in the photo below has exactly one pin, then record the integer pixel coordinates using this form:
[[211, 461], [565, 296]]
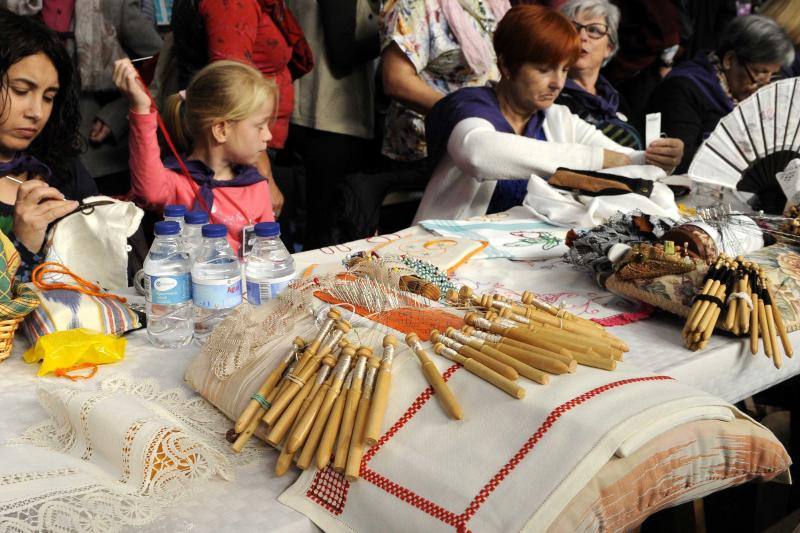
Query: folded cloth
[[564, 208], [508, 237], [111, 458], [534, 454], [16, 300]]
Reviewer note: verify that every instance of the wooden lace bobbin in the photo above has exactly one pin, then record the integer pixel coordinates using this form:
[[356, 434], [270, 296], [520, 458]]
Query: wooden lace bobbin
[[779, 324], [524, 370], [442, 391], [285, 458], [311, 405], [763, 328], [331, 394], [417, 285], [754, 326], [380, 397], [707, 284], [534, 315], [482, 371], [694, 324], [356, 451], [543, 347], [332, 317], [731, 317], [451, 297], [286, 397], [242, 438], [709, 321], [528, 298], [769, 310], [350, 410], [291, 415], [743, 311], [329, 436], [558, 337], [523, 361], [501, 368], [464, 295], [266, 388]]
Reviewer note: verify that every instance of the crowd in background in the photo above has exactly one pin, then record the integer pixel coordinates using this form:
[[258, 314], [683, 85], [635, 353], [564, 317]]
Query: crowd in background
[[359, 130]]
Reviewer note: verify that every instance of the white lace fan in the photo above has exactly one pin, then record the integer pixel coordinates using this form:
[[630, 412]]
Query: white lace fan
[[753, 143]]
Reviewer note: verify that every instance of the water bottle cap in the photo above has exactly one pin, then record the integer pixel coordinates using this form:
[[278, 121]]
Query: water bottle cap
[[214, 230], [167, 227], [196, 217], [268, 229], [174, 210]]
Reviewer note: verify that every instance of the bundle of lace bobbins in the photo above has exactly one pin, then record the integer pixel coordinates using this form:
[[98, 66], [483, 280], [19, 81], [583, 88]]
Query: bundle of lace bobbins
[[324, 400], [736, 295], [535, 333]]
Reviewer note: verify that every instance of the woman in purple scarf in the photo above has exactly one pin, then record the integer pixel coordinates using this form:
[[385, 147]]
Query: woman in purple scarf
[[40, 176], [696, 94]]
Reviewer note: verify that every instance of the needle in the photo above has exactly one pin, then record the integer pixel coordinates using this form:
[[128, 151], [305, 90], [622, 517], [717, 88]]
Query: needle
[[141, 59]]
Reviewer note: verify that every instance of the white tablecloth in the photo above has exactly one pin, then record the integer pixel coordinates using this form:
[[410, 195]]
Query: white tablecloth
[[725, 368]]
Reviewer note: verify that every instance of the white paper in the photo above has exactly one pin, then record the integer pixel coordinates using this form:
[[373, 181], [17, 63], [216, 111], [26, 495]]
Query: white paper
[[652, 129]]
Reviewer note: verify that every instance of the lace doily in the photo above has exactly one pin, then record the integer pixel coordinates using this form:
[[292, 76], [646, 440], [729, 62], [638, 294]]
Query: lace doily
[[114, 457]]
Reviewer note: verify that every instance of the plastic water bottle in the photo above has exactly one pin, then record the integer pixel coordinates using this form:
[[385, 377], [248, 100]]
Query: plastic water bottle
[[174, 213], [192, 235], [269, 267], [216, 281], [167, 284]]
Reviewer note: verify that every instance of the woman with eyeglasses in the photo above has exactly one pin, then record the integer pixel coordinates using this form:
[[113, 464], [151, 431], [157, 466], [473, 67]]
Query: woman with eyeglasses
[[487, 141], [787, 14], [696, 94]]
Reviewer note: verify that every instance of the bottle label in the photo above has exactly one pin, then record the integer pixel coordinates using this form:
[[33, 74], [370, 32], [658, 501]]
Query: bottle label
[[217, 293], [168, 290], [259, 292]]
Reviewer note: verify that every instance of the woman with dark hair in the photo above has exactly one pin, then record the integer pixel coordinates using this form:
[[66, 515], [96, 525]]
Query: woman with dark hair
[[40, 174], [696, 94], [487, 141]]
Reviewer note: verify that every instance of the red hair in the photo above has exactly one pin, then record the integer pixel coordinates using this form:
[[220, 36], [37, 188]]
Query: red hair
[[535, 34]]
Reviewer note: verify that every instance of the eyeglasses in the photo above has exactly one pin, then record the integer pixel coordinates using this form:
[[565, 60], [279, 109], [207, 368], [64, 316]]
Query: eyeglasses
[[594, 31], [761, 78]]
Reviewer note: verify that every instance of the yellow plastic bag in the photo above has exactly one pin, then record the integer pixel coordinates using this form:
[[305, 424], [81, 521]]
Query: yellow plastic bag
[[69, 349]]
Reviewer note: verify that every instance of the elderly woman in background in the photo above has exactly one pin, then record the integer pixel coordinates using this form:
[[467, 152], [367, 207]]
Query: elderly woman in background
[[696, 94], [489, 140], [588, 94]]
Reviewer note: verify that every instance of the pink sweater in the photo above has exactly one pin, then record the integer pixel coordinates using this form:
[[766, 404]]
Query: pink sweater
[[156, 186]]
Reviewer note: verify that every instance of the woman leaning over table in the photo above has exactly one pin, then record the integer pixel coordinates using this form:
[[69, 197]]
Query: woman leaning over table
[[40, 175], [696, 94], [489, 140]]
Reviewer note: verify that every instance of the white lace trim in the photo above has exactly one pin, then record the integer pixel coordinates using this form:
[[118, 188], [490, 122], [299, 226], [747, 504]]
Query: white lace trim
[[187, 448]]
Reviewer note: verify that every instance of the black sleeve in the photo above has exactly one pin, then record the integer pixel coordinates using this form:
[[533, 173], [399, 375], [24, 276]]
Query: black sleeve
[[681, 105], [343, 50], [78, 184]]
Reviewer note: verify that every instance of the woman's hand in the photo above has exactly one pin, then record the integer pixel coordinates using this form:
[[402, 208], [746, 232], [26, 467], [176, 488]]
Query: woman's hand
[[277, 198], [615, 159], [665, 153], [129, 84], [100, 131], [36, 207]]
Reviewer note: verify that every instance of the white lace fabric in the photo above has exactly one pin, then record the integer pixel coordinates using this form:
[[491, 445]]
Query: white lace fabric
[[110, 458]]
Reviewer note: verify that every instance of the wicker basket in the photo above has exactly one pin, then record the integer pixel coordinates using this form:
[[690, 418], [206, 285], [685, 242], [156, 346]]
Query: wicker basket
[[7, 330]]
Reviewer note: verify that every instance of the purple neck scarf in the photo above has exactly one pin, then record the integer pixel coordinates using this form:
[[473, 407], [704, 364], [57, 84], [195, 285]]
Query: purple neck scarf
[[704, 75], [23, 162], [603, 105], [245, 175]]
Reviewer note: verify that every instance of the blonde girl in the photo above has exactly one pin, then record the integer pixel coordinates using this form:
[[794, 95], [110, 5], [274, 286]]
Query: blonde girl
[[220, 124]]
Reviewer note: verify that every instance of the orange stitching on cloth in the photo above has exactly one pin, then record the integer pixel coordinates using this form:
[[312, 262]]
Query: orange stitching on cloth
[[83, 286]]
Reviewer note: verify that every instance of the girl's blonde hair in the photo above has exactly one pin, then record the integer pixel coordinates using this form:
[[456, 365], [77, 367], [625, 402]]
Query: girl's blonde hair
[[787, 14], [221, 91]]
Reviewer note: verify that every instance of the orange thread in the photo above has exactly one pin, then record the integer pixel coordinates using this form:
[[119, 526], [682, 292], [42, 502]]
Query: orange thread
[[64, 372], [83, 286]]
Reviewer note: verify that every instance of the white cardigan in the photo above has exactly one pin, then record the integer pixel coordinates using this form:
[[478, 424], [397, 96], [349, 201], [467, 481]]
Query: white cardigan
[[478, 155]]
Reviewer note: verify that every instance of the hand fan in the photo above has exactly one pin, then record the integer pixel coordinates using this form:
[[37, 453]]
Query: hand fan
[[753, 143]]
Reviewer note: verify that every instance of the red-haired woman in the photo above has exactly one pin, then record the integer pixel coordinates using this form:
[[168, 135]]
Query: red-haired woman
[[489, 140]]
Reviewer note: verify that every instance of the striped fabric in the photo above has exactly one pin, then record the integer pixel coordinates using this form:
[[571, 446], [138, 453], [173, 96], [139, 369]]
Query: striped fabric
[[64, 309], [16, 300]]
